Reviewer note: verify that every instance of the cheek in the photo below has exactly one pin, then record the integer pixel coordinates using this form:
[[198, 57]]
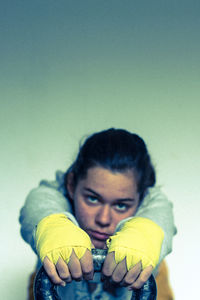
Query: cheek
[[119, 217], [82, 213], [133, 211]]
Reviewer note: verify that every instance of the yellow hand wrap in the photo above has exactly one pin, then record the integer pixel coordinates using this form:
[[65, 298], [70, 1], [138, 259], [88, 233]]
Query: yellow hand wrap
[[56, 236], [139, 239]]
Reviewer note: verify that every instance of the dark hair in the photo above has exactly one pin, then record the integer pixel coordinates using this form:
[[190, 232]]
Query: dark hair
[[117, 150]]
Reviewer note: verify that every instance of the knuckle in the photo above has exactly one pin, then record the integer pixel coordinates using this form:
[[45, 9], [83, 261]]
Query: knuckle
[[142, 281], [145, 276], [56, 280], [78, 279], [87, 273], [51, 273], [128, 281], [135, 286], [54, 277], [67, 279], [138, 284], [77, 275], [116, 278], [87, 269], [64, 276], [107, 272]]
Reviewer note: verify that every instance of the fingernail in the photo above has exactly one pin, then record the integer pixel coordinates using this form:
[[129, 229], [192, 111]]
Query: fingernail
[[78, 279], [63, 284], [88, 277]]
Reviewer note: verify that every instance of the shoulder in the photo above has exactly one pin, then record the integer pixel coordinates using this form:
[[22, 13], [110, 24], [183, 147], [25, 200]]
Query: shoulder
[[57, 183]]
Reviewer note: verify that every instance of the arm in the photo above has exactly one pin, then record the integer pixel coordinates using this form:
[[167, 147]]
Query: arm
[[47, 200], [141, 242], [159, 209], [42, 201], [156, 207]]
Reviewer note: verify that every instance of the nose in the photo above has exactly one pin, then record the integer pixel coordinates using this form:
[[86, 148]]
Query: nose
[[103, 217]]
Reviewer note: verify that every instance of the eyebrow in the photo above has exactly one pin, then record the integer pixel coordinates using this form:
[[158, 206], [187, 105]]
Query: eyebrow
[[117, 200]]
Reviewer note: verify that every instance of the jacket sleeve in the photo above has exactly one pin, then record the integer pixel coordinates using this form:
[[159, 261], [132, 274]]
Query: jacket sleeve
[[42, 201], [159, 209]]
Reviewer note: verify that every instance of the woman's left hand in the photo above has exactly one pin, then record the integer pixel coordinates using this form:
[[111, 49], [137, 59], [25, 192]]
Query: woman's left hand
[[133, 252], [118, 273]]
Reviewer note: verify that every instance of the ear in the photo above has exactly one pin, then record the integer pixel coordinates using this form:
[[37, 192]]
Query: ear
[[70, 184]]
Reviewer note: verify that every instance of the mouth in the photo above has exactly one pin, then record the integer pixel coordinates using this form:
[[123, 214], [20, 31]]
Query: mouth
[[100, 236]]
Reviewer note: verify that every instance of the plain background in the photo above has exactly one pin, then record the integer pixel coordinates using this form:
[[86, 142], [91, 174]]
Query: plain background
[[69, 68]]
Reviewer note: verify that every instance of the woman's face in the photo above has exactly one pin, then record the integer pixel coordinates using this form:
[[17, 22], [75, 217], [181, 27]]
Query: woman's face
[[102, 199]]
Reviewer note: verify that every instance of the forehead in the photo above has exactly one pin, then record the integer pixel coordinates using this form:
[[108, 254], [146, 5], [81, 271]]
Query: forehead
[[109, 183]]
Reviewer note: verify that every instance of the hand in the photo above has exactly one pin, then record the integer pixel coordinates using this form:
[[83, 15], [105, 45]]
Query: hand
[[64, 249], [118, 273], [139, 240], [76, 269], [133, 252]]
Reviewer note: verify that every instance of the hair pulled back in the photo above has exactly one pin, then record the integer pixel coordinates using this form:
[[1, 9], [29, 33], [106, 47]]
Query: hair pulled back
[[118, 151]]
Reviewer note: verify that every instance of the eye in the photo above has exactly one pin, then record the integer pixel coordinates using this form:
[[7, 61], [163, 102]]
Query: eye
[[122, 207], [92, 199]]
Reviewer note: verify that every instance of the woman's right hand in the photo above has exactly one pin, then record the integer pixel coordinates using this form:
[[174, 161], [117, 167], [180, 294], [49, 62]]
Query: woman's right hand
[[64, 249], [76, 269]]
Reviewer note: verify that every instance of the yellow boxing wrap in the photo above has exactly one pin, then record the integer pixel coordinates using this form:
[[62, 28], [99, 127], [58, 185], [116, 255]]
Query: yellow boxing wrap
[[56, 236], [139, 239]]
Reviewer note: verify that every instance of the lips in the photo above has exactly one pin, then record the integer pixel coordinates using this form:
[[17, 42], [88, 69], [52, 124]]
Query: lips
[[99, 235]]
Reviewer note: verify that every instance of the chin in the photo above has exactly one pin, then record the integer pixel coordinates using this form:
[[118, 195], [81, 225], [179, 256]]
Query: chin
[[99, 244]]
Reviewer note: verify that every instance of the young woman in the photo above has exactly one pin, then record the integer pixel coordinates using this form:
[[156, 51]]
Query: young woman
[[106, 199]]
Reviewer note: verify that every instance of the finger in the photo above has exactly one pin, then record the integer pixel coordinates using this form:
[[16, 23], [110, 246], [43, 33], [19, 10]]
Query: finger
[[119, 272], [87, 265], [109, 264], [51, 272], [132, 274], [75, 267], [63, 270], [143, 277]]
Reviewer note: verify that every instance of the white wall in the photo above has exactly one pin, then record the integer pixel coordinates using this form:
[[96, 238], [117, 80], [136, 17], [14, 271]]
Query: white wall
[[70, 69]]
